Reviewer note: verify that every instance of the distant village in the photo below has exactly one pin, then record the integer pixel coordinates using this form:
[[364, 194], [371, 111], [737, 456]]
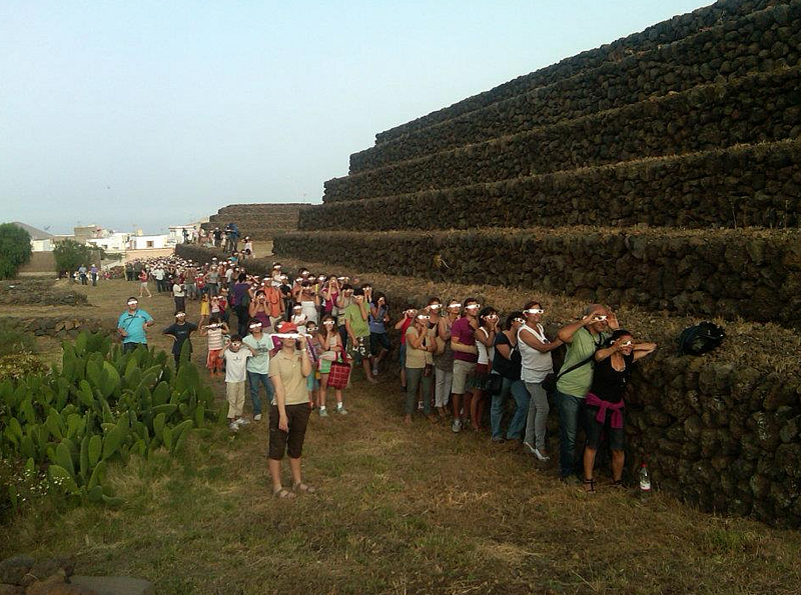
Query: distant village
[[118, 247]]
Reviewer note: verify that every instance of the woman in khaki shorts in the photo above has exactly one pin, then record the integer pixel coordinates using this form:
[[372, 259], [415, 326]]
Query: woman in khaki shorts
[[465, 356]]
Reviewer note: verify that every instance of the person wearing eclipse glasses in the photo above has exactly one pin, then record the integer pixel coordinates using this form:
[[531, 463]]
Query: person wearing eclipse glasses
[[465, 357], [603, 410], [583, 338], [537, 363], [132, 326]]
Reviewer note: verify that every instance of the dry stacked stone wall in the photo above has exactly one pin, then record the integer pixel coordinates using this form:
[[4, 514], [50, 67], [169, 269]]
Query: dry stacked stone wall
[[730, 50], [666, 32], [259, 221], [757, 108], [660, 174], [749, 185]]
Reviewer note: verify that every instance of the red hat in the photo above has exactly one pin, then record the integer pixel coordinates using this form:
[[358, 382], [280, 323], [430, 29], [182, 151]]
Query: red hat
[[287, 327]]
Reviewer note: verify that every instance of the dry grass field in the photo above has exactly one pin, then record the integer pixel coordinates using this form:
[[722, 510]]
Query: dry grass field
[[399, 510]]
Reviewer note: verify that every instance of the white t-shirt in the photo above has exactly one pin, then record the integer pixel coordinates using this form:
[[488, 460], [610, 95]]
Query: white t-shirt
[[236, 364], [536, 365], [178, 290], [485, 356], [159, 274]]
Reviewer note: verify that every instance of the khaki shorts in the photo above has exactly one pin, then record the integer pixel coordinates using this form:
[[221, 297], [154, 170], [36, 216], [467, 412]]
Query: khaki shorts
[[461, 371]]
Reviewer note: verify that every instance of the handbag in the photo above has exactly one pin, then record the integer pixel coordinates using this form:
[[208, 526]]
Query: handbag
[[340, 374], [495, 384]]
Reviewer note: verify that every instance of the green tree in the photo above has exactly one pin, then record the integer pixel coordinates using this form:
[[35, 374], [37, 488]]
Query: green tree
[[15, 249], [70, 255]]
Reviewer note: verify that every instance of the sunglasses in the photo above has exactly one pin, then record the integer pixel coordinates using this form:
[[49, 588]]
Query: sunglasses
[[518, 320], [533, 311]]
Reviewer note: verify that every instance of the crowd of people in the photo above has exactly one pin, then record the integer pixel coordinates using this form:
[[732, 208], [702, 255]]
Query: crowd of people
[[460, 362]]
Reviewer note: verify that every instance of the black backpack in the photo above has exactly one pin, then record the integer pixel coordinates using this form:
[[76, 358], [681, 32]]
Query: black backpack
[[701, 338]]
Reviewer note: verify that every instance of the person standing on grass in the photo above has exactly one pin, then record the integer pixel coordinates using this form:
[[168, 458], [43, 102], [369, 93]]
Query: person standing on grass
[[379, 339], [258, 367], [132, 326], [419, 347], [82, 270], [537, 363], [180, 331], [332, 350], [214, 330], [143, 277], [93, 272], [235, 358], [603, 411], [290, 410], [465, 356], [443, 362], [402, 325], [507, 363], [359, 333], [179, 295], [485, 344], [583, 338]]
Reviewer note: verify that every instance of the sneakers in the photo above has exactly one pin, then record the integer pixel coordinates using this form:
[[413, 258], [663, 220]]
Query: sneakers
[[375, 370], [257, 417], [419, 405], [242, 421], [233, 426], [323, 412], [341, 410], [457, 426], [529, 447], [540, 456]]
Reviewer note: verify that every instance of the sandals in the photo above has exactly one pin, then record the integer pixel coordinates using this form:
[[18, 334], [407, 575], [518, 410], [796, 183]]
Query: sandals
[[591, 483], [303, 488], [283, 494]]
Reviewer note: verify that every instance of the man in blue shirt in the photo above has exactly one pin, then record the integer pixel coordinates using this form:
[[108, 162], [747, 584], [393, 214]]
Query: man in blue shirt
[[132, 326]]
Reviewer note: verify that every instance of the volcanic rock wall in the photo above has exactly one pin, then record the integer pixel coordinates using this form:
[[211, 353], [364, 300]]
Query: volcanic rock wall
[[259, 221], [578, 183]]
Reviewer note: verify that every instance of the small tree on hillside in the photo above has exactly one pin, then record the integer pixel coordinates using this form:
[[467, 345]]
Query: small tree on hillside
[[15, 249], [70, 255]]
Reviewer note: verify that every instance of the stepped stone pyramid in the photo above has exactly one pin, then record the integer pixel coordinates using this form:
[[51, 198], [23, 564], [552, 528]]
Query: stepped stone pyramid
[[660, 174], [259, 221]]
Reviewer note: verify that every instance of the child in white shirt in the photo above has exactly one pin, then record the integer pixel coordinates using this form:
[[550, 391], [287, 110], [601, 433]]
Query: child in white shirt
[[236, 360]]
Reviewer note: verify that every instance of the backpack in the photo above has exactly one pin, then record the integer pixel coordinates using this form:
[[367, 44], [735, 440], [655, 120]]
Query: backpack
[[701, 338]]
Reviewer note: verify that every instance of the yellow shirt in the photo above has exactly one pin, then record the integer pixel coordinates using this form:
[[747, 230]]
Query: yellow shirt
[[288, 368]]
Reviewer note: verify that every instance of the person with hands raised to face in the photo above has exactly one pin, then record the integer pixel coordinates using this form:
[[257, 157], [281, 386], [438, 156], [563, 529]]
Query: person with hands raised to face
[[332, 349], [485, 344], [236, 358], [582, 338], [603, 411], [402, 325], [379, 339], [290, 409], [356, 316], [258, 366], [419, 346], [465, 356], [507, 364], [132, 326], [443, 358], [537, 364]]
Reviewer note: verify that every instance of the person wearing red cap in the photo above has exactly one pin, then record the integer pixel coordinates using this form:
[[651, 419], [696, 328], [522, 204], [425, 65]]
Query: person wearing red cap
[[290, 409]]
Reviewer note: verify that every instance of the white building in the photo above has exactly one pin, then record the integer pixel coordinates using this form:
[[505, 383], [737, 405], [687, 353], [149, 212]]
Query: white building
[[150, 242], [116, 242], [177, 232]]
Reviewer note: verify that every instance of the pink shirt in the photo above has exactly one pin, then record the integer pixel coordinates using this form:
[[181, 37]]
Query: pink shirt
[[462, 331]]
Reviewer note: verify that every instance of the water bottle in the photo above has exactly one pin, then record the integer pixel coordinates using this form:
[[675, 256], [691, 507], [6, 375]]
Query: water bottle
[[645, 482]]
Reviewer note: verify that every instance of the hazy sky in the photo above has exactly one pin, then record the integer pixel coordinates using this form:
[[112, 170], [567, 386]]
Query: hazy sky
[[143, 113]]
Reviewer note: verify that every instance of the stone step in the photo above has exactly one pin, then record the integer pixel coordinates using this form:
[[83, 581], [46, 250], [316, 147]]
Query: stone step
[[756, 108], [719, 430], [727, 51], [750, 274], [746, 185], [662, 33]]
